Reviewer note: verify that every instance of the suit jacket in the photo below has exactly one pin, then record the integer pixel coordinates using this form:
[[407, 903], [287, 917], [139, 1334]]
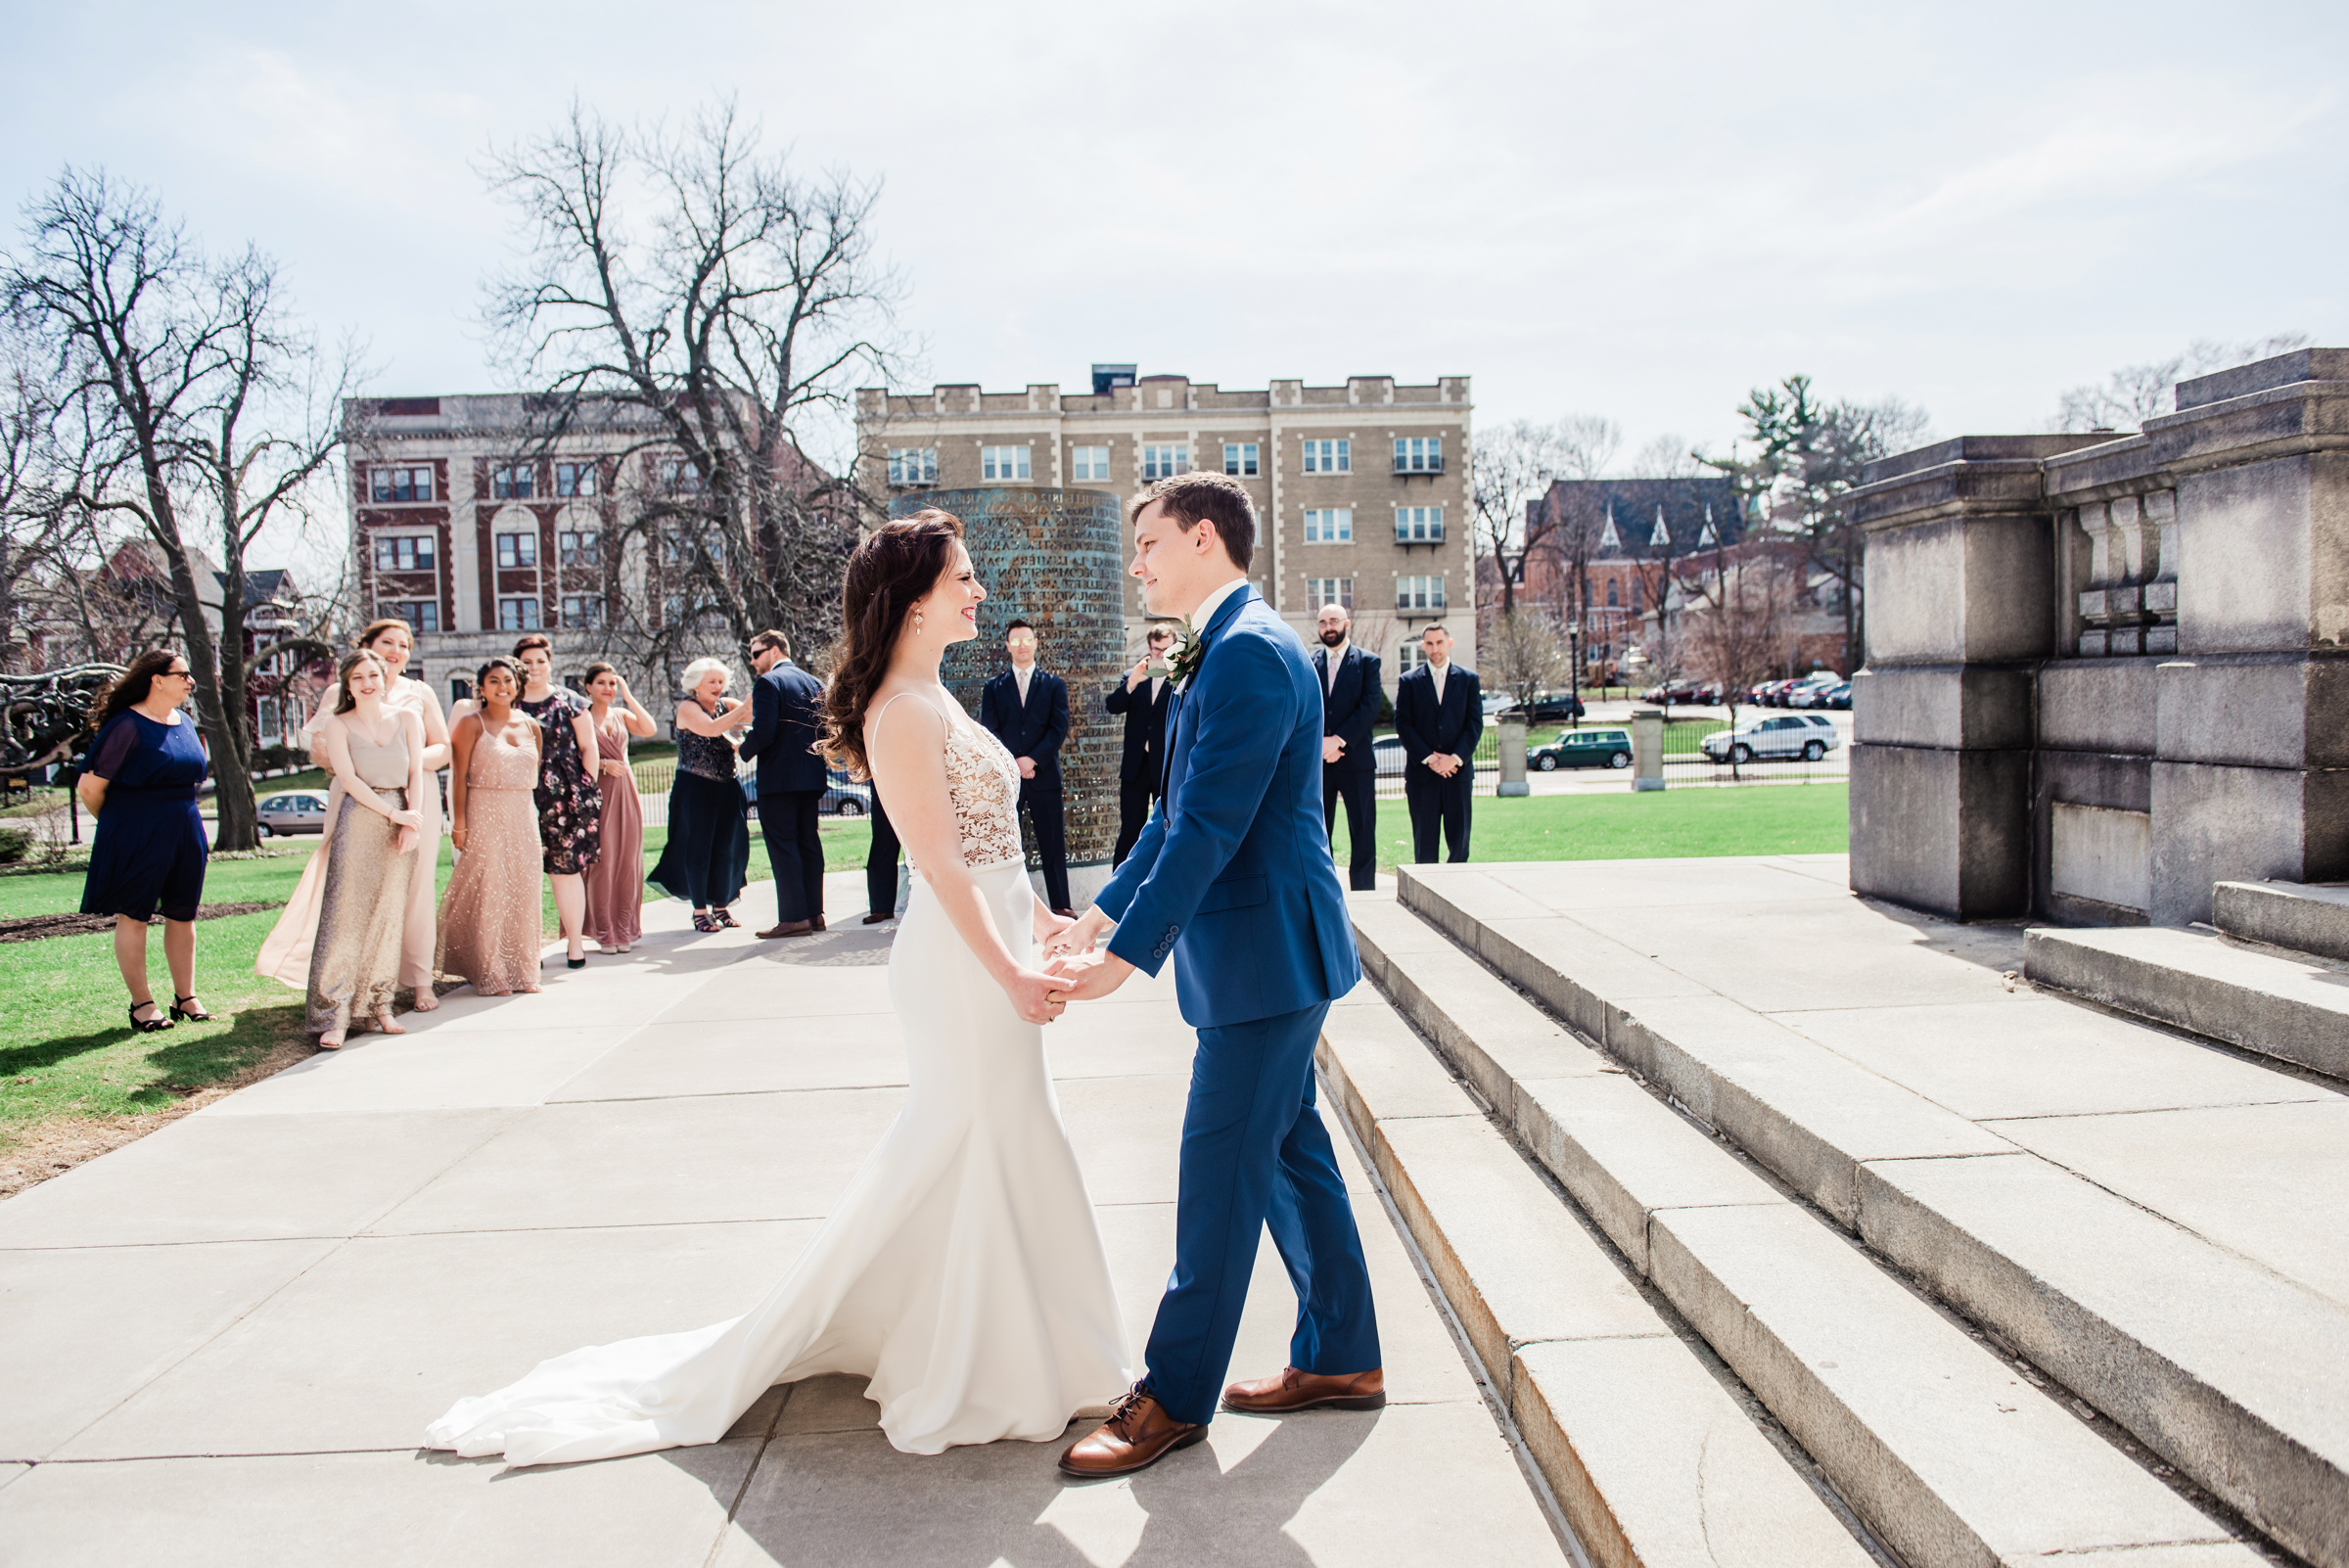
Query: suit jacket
[[1349, 707], [1034, 728], [1424, 727], [1233, 876], [787, 704], [1145, 754]]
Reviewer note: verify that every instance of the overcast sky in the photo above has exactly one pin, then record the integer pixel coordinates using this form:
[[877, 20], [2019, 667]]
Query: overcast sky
[[1637, 211]]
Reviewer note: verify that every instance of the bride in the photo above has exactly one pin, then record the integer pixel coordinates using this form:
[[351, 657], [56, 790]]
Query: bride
[[962, 1272]]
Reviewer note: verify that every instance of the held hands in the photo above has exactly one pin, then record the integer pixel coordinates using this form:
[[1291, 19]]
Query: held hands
[[1442, 764], [1080, 935], [1037, 997], [1050, 926], [1088, 976], [408, 821], [404, 842], [1027, 766], [1332, 747]]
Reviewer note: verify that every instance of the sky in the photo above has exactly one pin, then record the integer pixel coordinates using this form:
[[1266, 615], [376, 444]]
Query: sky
[[1633, 210]]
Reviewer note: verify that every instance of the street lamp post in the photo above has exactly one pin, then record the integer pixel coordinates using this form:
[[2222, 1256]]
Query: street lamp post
[[1574, 672]]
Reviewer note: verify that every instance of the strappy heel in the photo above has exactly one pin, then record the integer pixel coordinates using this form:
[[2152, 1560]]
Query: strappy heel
[[706, 926], [193, 1016], [724, 917], [148, 1025]]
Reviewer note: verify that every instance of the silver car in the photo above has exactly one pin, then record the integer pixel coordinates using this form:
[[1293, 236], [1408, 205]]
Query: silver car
[[292, 812], [1809, 736]]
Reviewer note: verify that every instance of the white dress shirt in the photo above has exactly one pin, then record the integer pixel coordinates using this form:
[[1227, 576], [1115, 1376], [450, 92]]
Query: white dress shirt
[[1214, 602]]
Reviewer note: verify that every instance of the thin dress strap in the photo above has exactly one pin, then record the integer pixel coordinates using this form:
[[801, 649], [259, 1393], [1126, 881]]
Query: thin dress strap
[[873, 724]]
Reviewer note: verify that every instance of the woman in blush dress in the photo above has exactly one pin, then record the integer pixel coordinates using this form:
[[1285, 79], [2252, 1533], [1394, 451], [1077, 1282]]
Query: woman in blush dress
[[566, 795], [490, 923], [615, 881], [377, 752], [148, 852], [286, 955], [708, 855], [962, 1272]]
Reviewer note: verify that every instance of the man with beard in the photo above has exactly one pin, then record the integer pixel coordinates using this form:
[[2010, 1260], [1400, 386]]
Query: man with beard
[[1350, 699]]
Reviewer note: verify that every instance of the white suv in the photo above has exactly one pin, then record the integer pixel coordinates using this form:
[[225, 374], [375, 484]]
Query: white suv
[[1809, 736]]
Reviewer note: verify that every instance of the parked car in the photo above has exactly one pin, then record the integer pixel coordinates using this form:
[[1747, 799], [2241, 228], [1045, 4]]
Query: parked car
[[1807, 692], [1386, 755], [1551, 707], [1683, 693], [1584, 748], [843, 796], [294, 812], [1829, 694], [1809, 736]]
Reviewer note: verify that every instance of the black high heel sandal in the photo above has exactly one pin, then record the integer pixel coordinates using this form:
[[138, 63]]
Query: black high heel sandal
[[724, 917], [703, 924], [178, 1011], [147, 1026]]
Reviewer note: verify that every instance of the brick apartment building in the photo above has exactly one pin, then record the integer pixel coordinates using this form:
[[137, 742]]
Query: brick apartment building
[[1361, 490]]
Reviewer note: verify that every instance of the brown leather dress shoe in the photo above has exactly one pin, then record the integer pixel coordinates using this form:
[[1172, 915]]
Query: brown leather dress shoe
[[1137, 1436], [879, 915], [817, 921], [1294, 1391], [789, 928]]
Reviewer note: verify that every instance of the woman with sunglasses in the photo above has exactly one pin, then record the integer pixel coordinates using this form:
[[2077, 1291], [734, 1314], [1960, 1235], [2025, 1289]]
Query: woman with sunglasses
[[149, 849]]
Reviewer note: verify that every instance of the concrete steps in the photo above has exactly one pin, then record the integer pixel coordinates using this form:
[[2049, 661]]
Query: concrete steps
[[2261, 998], [2311, 918], [2220, 1366]]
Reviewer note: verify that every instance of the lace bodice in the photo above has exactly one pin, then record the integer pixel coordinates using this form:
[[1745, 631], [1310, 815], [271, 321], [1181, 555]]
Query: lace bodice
[[984, 784]]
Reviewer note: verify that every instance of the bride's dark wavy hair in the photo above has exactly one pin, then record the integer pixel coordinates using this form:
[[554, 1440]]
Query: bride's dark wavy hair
[[892, 567]]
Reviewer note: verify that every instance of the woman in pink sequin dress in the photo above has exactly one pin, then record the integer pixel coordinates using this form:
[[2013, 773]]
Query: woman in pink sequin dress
[[489, 918]]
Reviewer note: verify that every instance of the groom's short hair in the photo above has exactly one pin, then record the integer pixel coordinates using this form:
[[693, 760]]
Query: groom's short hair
[[1194, 498]]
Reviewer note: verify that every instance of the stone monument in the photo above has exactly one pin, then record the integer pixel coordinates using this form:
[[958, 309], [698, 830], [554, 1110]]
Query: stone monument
[[1055, 556], [2108, 671]]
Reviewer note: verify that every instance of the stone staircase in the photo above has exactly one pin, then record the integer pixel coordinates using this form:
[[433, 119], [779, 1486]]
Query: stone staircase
[[2270, 975], [1797, 1269]]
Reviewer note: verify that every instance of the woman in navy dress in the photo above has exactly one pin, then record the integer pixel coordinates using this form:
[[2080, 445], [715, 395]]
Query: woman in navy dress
[[148, 853], [708, 855]]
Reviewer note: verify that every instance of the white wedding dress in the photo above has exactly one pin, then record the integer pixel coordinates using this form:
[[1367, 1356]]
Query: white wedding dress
[[961, 1272]]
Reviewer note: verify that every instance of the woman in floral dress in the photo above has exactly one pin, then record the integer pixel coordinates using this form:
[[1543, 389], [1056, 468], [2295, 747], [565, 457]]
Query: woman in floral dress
[[571, 804]]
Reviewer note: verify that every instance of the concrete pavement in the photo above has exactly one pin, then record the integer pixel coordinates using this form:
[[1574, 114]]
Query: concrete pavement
[[231, 1334]]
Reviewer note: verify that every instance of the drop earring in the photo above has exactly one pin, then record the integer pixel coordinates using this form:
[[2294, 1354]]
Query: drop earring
[[917, 622]]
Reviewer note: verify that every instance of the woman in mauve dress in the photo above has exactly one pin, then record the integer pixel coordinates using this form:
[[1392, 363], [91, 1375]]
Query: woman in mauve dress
[[616, 879], [489, 919]]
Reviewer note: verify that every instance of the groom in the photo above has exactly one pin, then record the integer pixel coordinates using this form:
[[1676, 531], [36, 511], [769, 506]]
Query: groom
[[1233, 877]]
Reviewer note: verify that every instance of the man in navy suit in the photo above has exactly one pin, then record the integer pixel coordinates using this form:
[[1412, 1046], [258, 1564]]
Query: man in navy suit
[[1028, 708], [1232, 879], [1438, 716], [1141, 695], [786, 710], [1350, 699]]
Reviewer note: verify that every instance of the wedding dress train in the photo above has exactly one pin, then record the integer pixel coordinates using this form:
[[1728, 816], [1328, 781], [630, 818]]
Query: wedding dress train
[[962, 1272]]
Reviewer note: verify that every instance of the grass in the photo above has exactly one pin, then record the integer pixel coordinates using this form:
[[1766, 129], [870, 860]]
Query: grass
[[1662, 824]]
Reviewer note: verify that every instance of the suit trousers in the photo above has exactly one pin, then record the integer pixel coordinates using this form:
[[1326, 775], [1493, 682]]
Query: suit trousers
[[1134, 814], [1359, 791], [1043, 803], [1436, 803], [881, 864], [1256, 1156], [787, 820]]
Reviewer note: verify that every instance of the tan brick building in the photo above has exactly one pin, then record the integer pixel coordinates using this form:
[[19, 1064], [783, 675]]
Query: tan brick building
[[1361, 490]]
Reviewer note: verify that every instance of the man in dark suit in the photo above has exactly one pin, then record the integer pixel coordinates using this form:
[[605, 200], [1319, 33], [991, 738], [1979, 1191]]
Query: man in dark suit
[[1438, 716], [1028, 710], [1142, 696], [1349, 698], [881, 867], [786, 708]]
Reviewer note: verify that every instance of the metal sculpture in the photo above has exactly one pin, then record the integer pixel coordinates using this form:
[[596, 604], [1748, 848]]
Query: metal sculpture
[[45, 718]]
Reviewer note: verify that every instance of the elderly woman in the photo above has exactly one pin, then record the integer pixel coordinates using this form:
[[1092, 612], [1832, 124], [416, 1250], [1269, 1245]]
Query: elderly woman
[[708, 855]]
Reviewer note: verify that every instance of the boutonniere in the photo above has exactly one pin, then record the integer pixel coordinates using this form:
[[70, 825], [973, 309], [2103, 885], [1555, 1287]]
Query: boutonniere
[[1185, 663]]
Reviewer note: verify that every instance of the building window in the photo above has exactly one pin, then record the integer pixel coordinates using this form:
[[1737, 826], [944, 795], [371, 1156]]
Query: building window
[[401, 484], [404, 552], [1239, 457], [1088, 462], [1319, 591], [1413, 594], [574, 479], [1410, 657], [581, 610], [1639, 596], [518, 615], [424, 614], [1612, 602], [1328, 525], [672, 608], [1419, 525], [584, 548], [679, 476], [1165, 462], [913, 465], [518, 549], [1420, 454], [517, 482], [1004, 462], [1329, 457]]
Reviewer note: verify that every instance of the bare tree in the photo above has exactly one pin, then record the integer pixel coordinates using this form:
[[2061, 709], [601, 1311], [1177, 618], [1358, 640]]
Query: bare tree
[[1512, 469], [1522, 656], [2134, 393], [694, 298], [1735, 618], [209, 412]]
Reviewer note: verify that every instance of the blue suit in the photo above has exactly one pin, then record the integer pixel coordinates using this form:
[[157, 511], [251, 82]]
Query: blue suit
[[1232, 879]]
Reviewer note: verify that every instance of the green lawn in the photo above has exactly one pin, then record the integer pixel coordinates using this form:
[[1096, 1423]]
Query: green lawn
[[1660, 824]]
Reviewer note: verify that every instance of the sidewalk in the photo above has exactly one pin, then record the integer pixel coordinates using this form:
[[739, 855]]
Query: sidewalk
[[229, 1336]]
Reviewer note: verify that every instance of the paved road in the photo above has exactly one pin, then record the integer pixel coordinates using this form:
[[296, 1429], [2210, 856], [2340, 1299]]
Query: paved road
[[230, 1334]]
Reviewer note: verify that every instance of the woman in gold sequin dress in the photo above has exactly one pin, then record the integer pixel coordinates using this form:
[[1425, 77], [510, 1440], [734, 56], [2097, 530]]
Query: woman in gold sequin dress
[[489, 917], [377, 753]]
